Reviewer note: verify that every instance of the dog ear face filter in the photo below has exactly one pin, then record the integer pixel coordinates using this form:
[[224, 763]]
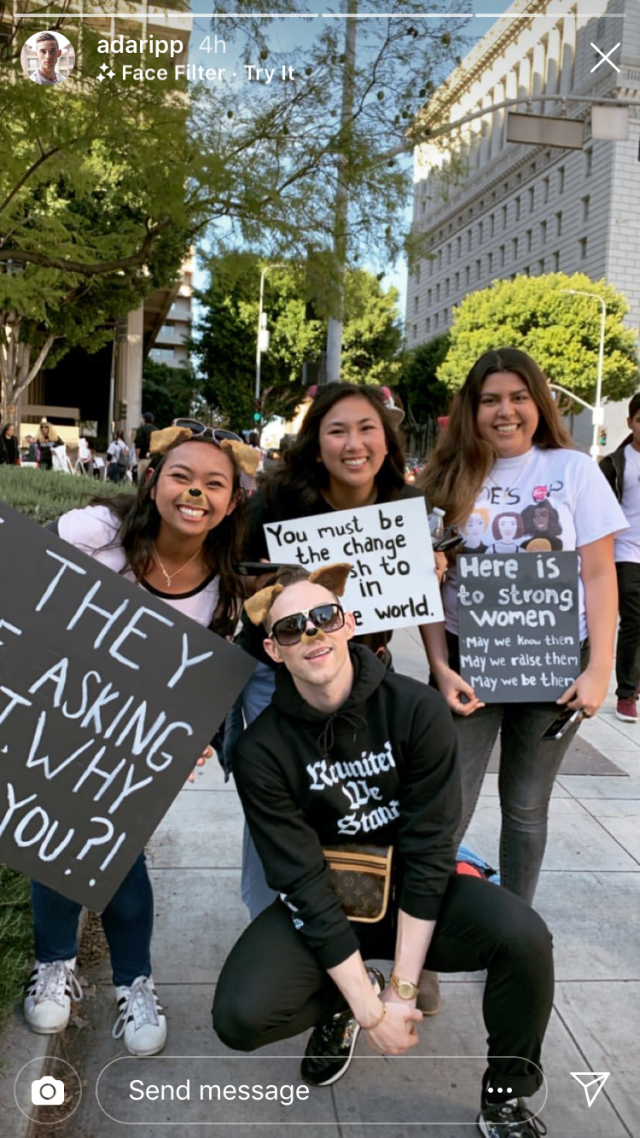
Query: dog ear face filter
[[246, 457], [332, 577]]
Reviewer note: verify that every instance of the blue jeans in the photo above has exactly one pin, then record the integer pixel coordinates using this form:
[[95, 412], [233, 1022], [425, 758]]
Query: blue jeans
[[256, 695], [127, 922], [528, 768]]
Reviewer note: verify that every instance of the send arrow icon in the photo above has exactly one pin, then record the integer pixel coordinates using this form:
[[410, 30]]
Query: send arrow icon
[[591, 1082]]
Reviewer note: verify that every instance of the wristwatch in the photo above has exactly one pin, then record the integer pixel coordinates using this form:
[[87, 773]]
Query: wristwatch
[[404, 988]]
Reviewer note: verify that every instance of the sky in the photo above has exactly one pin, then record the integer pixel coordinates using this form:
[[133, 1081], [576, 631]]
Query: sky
[[287, 33]]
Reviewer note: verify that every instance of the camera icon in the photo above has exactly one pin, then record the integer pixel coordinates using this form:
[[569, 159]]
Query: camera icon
[[47, 1091]]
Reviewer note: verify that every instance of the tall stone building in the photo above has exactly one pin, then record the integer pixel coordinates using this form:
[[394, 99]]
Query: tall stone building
[[492, 209]]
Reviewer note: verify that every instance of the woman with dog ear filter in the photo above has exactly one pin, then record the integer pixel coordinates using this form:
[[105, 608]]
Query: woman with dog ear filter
[[180, 538], [507, 459], [347, 455]]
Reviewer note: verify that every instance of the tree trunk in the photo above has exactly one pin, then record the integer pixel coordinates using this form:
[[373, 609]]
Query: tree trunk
[[16, 367], [341, 205]]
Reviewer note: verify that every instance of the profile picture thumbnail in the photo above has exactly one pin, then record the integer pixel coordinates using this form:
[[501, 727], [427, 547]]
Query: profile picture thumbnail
[[47, 58]]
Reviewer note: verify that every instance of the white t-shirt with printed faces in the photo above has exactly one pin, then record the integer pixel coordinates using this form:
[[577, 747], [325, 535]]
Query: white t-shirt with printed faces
[[628, 543], [542, 501], [94, 530]]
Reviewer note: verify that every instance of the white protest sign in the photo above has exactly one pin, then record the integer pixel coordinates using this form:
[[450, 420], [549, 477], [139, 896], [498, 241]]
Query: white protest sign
[[393, 581]]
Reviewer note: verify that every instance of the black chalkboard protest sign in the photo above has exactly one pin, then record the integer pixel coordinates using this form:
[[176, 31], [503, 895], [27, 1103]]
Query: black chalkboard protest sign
[[107, 698], [393, 581], [519, 625]]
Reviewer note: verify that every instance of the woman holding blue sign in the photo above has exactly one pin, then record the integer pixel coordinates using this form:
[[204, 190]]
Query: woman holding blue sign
[[504, 452], [179, 538]]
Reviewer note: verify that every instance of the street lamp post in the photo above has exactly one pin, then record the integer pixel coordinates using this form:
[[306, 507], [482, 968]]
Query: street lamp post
[[262, 342], [597, 410]]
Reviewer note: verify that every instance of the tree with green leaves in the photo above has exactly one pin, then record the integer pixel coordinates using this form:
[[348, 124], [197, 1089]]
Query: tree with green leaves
[[561, 331], [168, 392], [225, 340], [333, 138], [93, 207], [425, 397]]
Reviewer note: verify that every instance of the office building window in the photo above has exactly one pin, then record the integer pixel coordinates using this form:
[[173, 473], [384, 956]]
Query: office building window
[[427, 324], [514, 248], [458, 246], [415, 331], [585, 208], [439, 258], [532, 168], [543, 232], [423, 205], [490, 262], [532, 198], [437, 293], [545, 190], [541, 266], [504, 217], [467, 275], [492, 224], [529, 239], [588, 162], [445, 316], [480, 232], [416, 303], [457, 281], [559, 224], [556, 262], [446, 287], [561, 180], [469, 239], [583, 248], [436, 320], [502, 254], [517, 204], [429, 297], [478, 269], [449, 253], [416, 273]]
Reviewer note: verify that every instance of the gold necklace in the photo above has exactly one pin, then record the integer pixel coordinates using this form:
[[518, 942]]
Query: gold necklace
[[170, 576]]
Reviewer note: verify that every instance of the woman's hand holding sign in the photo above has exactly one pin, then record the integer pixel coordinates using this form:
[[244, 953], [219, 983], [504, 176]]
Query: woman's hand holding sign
[[206, 754]]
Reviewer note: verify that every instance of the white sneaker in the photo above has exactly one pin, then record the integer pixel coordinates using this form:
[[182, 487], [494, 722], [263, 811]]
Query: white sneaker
[[141, 1021], [50, 990]]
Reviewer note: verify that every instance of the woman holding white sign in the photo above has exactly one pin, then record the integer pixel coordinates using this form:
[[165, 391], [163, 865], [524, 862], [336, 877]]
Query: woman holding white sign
[[506, 450], [179, 538]]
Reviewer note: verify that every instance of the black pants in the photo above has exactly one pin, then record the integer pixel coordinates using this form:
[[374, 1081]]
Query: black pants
[[272, 986], [628, 649]]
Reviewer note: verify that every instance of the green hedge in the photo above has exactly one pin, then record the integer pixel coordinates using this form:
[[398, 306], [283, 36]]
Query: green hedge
[[44, 495], [41, 495]]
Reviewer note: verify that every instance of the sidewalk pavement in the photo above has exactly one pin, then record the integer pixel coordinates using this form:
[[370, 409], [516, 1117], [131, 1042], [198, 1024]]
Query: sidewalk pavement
[[589, 895]]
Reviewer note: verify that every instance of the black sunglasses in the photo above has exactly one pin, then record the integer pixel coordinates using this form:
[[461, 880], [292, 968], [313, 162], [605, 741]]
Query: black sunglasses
[[289, 630], [201, 431]]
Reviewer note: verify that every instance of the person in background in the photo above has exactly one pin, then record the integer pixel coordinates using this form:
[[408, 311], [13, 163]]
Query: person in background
[[622, 471], [46, 439], [85, 457], [31, 449], [9, 450], [142, 441], [118, 453], [249, 482], [505, 447]]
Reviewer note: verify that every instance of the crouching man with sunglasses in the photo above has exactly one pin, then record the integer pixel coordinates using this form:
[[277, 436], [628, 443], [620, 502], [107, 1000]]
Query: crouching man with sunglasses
[[353, 756]]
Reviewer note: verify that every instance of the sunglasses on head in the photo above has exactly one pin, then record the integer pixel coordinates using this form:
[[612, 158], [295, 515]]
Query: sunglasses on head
[[289, 630], [201, 431]]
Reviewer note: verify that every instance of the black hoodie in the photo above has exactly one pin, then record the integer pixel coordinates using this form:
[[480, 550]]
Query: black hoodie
[[381, 770]]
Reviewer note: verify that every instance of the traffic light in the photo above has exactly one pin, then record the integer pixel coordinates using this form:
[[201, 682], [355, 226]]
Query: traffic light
[[257, 410], [602, 437]]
